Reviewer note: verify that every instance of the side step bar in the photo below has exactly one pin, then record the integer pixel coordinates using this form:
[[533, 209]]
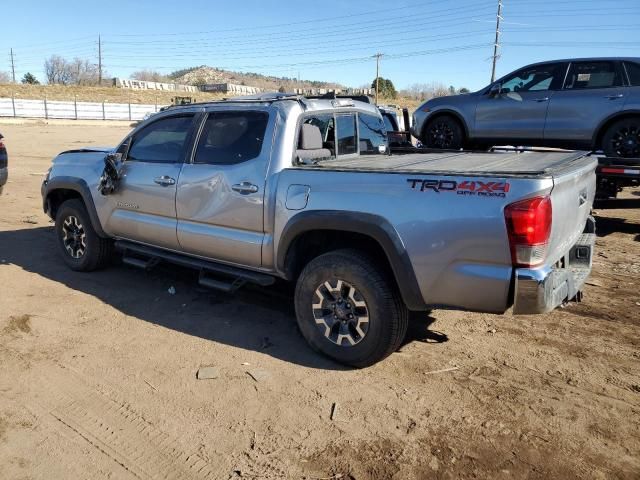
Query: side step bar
[[236, 277]]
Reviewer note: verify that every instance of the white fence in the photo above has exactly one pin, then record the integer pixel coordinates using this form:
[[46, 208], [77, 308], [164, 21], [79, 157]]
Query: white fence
[[19, 108]]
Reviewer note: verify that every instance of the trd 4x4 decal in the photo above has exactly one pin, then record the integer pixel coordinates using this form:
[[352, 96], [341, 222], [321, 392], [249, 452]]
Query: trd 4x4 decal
[[466, 187]]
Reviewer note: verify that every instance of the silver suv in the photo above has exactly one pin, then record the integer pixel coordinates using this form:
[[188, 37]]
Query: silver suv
[[591, 103]]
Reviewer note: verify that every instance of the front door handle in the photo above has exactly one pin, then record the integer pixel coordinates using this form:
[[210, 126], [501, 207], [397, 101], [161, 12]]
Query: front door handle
[[245, 188], [540, 100], [165, 180], [614, 97]]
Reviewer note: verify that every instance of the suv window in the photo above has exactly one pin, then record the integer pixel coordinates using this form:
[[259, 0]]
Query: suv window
[[162, 141], [373, 134], [231, 137], [633, 71], [346, 128], [540, 77], [592, 75]]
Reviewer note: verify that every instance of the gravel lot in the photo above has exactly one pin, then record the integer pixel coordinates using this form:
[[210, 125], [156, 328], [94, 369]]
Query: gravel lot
[[98, 371]]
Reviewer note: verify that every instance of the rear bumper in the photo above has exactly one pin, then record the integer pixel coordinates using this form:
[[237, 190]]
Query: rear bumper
[[540, 290]]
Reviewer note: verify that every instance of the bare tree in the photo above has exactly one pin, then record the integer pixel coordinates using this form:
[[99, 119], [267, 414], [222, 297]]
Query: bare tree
[[5, 77], [425, 91], [58, 70], [84, 72], [149, 76]]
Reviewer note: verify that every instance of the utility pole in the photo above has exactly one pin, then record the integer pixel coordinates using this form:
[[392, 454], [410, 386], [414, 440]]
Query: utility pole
[[99, 60], [377, 57], [496, 44], [13, 67]]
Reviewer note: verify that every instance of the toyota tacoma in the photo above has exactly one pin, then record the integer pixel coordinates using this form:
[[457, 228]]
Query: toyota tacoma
[[252, 189]]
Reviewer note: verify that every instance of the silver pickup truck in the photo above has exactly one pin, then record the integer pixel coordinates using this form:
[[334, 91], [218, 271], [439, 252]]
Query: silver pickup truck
[[276, 186]]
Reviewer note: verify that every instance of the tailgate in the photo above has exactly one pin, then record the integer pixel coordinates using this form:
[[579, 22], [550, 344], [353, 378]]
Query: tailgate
[[571, 199]]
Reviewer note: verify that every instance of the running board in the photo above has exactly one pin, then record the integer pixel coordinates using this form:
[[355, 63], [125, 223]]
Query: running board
[[152, 256]]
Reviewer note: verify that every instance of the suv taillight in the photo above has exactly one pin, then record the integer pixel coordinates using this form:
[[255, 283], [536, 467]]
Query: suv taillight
[[529, 227]]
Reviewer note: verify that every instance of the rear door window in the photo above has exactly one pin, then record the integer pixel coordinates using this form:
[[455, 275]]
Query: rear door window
[[586, 75], [231, 137], [373, 134], [633, 71]]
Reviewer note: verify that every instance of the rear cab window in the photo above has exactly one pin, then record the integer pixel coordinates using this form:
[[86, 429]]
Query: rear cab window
[[325, 136]]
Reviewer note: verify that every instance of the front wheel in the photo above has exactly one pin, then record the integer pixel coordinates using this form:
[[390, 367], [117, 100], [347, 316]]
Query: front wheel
[[622, 139], [443, 133], [82, 248], [349, 309]]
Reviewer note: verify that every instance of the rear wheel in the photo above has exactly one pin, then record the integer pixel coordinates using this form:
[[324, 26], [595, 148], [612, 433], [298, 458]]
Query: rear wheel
[[444, 133], [622, 139], [82, 248], [348, 309]]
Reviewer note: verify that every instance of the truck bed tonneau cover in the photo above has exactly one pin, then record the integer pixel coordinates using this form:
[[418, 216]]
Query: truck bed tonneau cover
[[529, 164]]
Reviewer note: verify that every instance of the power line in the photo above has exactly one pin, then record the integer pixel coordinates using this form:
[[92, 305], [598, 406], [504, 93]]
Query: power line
[[288, 24]]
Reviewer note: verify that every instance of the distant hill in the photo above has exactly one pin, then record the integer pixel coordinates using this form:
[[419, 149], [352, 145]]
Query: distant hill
[[203, 74]]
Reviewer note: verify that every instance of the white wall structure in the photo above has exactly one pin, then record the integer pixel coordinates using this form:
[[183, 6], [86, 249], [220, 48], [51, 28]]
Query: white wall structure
[[74, 110], [144, 85], [231, 88]]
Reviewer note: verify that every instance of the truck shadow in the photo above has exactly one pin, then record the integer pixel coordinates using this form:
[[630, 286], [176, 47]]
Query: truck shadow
[[608, 225], [258, 319]]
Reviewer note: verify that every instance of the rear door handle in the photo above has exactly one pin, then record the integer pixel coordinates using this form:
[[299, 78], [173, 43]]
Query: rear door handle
[[543, 99], [165, 180], [614, 97], [245, 188]]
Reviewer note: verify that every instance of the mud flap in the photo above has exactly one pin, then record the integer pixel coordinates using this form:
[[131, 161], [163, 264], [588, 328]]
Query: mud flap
[[111, 175]]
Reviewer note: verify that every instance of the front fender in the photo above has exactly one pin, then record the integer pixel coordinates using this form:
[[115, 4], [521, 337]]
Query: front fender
[[74, 184]]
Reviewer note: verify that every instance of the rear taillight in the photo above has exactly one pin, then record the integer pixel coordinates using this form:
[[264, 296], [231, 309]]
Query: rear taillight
[[529, 227]]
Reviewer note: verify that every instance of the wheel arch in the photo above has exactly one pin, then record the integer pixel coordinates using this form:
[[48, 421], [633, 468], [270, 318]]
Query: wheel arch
[[57, 190], [312, 233], [607, 122]]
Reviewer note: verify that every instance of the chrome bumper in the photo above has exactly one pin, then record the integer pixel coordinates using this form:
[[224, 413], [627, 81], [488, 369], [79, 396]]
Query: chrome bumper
[[540, 290]]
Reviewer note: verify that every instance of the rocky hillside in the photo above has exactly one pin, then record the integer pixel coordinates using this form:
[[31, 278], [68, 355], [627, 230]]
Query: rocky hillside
[[204, 74]]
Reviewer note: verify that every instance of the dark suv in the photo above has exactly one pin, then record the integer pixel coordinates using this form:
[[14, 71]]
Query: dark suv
[[591, 103]]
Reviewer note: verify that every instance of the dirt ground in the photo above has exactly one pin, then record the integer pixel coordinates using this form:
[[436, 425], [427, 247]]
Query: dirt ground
[[98, 371]]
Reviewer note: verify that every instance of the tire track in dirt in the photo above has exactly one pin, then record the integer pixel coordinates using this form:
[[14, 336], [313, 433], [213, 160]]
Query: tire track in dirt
[[113, 427]]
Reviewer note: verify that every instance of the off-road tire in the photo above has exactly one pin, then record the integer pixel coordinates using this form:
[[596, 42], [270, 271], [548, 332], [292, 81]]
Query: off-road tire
[[388, 315], [97, 251], [628, 128], [443, 132]]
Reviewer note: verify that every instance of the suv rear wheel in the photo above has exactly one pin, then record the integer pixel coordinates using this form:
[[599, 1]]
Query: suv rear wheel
[[622, 139], [444, 132], [82, 248], [348, 309]]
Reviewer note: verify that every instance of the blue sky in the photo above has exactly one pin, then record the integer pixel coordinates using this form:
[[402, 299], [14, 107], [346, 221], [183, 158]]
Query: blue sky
[[423, 41]]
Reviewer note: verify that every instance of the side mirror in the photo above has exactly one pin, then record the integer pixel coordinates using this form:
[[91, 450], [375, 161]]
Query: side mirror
[[111, 175], [496, 89]]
